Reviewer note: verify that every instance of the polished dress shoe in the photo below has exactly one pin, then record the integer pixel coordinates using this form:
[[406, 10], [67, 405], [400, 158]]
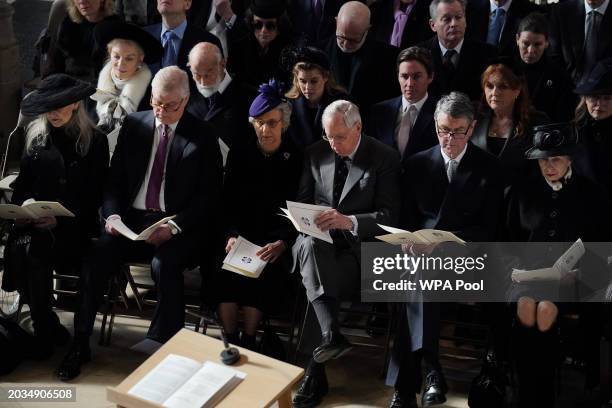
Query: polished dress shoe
[[334, 345], [312, 389], [400, 400], [435, 389], [70, 367]]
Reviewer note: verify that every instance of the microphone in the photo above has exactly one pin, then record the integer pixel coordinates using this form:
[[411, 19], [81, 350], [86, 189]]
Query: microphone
[[230, 355]]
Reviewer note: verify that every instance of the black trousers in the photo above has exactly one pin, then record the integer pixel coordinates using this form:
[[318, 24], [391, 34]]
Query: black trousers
[[168, 263]]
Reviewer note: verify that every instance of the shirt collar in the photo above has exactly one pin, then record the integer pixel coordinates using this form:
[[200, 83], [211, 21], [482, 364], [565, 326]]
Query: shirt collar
[[558, 185], [172, 125], [506, 6], [457, 159], [418, 105], [396, 7], [224, 82], [601, 9], [178, 31], [457, 48], [352, 155]]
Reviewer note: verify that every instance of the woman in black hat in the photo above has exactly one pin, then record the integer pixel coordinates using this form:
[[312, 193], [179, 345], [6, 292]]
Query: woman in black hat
[[505, 117], [255, 43], [125, 78], [313, 89], [554, 203], [65, 160], [259, 178], [594, 122]]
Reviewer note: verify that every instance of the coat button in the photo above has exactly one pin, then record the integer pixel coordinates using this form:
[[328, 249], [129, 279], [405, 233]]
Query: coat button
[[554, 195], [552, 233], [553, 214]]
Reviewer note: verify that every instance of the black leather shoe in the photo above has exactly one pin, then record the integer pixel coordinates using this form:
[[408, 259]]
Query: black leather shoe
[[435, 390], [312, 389], [399, 400], [334, 345], [70, 366]]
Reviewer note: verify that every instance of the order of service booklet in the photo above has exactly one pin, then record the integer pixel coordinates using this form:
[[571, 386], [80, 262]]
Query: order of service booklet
[[34, 209], [302, 217], [124, 230], [243, 259], [181, 382], [397, 236]]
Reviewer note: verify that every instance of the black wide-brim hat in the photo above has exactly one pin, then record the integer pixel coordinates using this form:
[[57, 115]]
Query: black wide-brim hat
[[55, 92], [268, 8], [555, 139], [598, 81], [106, 31]]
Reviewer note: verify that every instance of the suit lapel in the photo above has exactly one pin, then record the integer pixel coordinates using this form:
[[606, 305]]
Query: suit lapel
[[357, 168], [179, 141], [391, 120], [575, 24], [460, 179], [328, 169], [605, 32], [423, 121], [479, 137]]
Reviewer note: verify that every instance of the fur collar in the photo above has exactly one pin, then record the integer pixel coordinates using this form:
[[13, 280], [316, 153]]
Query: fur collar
[[131, 94]]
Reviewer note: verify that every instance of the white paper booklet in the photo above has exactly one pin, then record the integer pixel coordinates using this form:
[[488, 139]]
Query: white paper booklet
[[243, 259], [181, 382], [33, 209], [124, 230], [399, 236], [224, 148], [5, 183], [302, 217], [564, 265]]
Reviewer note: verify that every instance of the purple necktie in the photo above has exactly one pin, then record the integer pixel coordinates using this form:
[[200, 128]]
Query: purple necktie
[[317, 7], [157, 170]]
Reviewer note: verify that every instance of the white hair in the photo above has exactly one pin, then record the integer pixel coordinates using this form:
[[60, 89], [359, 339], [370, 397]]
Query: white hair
[[285, 109], [350, 112], [171, 79]]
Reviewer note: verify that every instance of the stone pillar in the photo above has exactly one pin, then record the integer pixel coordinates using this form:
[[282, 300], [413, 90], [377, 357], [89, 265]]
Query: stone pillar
[[10, 74]]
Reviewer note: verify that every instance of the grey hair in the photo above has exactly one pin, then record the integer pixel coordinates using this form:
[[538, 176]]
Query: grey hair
[[201, 47], [117, 41], [433, 7], [350, 112], [171, 79], [285, 109], [80, 127], [456, 105]]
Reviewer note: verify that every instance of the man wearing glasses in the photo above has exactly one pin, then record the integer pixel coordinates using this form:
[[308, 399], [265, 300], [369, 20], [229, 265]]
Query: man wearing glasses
[[164, 165], [454, 186], [360, 64], [358, 177]]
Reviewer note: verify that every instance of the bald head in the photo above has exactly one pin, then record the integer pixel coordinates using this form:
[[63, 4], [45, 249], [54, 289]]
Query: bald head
[[352, 24], [207, 67], [205, 50]]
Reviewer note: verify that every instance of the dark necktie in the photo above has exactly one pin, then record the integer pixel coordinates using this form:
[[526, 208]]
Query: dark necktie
[[447, 60], [211, 100], [339, 179], [590, 41], [170, 52], [157, 170], [317, 8]]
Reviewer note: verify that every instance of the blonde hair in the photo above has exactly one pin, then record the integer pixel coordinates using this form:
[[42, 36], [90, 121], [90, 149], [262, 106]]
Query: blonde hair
[[108, 9], [117, 41], [79, 126], [331, 87]]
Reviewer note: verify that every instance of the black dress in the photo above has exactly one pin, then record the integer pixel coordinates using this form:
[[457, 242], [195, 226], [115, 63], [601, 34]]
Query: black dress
[[55, 172], [256, 186]]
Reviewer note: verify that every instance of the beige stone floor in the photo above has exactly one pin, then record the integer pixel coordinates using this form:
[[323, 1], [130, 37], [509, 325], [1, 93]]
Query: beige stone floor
[[354, 380]]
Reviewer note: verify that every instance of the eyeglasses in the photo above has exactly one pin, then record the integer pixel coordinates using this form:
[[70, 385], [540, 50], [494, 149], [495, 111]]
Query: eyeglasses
[[168, 107], [455, 134], [349, 40], [271, 123], [270, 25], [335, 139]]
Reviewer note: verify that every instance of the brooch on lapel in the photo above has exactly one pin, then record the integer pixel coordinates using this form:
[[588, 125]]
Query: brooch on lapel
[[286, 155], [549, 82]]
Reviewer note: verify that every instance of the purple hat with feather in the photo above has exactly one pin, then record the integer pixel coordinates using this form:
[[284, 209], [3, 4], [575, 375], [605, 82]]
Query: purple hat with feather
[[270, 96]]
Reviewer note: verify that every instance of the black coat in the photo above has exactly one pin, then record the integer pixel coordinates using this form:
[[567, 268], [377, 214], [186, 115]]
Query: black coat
[[306, 127], [473, 60], [382, 120], [478, 16], [567, 36], [416, 29], [470, 206], [551, 89], [227, 113], [512, 155], [596, 142], [368, 75], [307, 29], [193, 172], [56, 172]]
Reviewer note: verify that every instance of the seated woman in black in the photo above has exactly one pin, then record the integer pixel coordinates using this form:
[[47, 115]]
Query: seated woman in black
[[313, 89], [555, 203], [66, 159], [260, 177]]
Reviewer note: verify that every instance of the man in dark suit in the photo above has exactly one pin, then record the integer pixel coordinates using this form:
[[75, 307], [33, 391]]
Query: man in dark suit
[[217, 98], [496, 21], [459, 62], [406, 122], [163, 165], [581, 34], [357, 176], [362, 65], [313, 20], [401, 23], [454, 187], [176, 35]]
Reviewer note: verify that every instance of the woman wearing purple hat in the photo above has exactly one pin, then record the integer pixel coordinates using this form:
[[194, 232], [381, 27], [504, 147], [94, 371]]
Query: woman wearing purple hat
[[260, 178], [313, 89], [65, 160]]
